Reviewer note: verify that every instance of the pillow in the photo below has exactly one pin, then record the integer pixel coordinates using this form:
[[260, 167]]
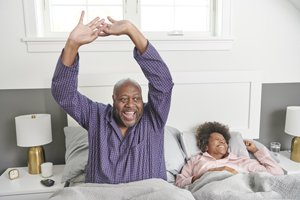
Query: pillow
[[189, 144], [76, 154], [190, 148], [174, 155], [237, 145]]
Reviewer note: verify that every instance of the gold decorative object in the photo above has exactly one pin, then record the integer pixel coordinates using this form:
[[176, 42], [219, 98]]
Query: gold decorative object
[[292, 127], [295, 149], [36, 157]]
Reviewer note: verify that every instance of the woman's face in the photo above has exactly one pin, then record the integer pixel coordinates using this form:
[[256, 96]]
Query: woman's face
[[217, 146]]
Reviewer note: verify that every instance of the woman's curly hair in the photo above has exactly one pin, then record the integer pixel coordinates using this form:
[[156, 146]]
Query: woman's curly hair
[[206, 129]]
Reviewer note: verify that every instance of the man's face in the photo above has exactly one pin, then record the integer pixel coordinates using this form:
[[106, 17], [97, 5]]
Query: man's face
[[217, 146], [128, 104]]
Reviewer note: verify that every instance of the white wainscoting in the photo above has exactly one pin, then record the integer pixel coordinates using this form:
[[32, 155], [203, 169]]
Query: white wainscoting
[[230, 97]]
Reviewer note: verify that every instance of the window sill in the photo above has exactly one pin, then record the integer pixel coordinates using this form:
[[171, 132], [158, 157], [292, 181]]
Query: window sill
[[42, 44]]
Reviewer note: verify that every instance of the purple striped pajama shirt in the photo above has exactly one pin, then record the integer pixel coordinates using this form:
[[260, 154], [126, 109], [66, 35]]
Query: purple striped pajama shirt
[[114, 158]]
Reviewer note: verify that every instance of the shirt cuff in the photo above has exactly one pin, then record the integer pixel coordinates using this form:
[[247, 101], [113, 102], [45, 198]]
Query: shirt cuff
[[63, 69], [262, 153]]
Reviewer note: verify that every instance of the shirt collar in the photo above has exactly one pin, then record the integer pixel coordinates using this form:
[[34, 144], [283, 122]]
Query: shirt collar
[[229, 157]]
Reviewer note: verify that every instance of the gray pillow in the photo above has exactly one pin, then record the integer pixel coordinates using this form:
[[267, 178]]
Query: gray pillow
[[174, 155], [237, 145], [76, 154], [189, 144]]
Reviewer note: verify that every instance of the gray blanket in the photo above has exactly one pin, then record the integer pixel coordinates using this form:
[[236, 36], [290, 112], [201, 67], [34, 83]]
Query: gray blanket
[[151, 189], [252, 186]]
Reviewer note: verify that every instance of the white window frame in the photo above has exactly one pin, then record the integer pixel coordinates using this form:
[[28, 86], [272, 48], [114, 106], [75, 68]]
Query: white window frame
[[222, 40]]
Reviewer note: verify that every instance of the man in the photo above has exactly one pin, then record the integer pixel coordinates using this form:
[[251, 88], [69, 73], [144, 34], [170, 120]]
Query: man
[[126, 139]]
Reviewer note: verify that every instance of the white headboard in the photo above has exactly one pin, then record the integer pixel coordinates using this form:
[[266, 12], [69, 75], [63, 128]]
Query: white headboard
[[229, 97]]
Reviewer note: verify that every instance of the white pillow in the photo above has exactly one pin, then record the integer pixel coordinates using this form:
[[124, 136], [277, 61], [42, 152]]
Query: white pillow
[[190, 148], [174, 155]]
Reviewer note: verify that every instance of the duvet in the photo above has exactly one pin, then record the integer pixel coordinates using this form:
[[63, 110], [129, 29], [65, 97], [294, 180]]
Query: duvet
[[211, 186], [151, 189], [252, 186]]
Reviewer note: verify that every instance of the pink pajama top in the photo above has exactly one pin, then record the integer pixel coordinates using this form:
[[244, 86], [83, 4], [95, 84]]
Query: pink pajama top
[[199, 164]]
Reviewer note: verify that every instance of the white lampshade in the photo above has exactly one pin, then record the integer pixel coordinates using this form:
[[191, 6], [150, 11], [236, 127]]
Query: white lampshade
[[33, 130], [292, 120]]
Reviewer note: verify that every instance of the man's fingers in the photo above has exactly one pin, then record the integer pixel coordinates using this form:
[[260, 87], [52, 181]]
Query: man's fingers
[[96, 24], [111, 19], [102, 33], [95, 21], [81, 17]]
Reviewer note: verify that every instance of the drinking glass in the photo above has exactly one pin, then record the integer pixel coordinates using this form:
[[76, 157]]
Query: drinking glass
[[275, 148]]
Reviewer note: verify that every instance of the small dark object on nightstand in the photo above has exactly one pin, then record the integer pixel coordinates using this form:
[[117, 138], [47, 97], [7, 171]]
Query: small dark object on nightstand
[[47, 182]]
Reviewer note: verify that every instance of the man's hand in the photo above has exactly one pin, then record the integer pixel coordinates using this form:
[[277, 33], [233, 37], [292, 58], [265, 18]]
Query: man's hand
[[81, 34], [250, 146], [84, 34], [121, 27]]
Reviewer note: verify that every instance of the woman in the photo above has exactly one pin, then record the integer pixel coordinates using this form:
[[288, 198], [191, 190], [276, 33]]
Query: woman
[[213, 139]]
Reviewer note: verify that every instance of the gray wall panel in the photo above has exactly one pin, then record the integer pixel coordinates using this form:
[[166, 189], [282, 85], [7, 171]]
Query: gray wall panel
[[20, 102], [275, 98]]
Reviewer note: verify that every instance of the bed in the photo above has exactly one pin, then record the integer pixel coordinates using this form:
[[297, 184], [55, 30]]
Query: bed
[[230, 97]]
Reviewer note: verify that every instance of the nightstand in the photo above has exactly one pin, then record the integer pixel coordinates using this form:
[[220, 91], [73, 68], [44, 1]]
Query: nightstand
[[289, 166], [28, 186]]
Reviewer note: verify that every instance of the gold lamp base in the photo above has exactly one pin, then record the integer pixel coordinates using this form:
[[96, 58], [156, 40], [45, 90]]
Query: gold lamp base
[[295, 150], [36, 157]]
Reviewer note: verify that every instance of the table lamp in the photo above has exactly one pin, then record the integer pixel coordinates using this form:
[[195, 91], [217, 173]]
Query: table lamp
[[33, 131], [292, 127]]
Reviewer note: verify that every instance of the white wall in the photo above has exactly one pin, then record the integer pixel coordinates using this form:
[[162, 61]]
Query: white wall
[[266, 37]]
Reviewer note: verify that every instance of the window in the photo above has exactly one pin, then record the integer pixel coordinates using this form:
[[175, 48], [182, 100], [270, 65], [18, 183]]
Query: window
[[189, 22], [177, 15], [170, 15], [62, 15]]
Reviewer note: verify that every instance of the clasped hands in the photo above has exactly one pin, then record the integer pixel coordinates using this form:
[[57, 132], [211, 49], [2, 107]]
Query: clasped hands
[[87, 33], [223, 168]]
